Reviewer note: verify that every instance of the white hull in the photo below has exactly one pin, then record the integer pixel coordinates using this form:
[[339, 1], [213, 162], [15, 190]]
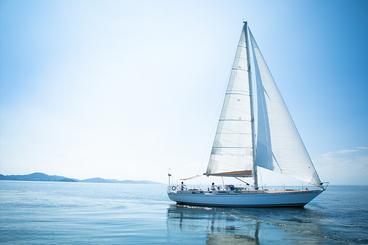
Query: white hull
[[246, 199]]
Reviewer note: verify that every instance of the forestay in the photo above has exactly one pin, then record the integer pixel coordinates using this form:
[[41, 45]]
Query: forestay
[[279, 145], [232, 150]]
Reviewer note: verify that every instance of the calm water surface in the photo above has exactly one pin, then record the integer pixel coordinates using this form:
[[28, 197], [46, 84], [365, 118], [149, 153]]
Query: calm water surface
[[87, 213]]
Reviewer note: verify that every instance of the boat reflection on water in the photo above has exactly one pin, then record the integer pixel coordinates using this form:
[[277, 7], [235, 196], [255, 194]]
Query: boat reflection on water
[[218, 225], [193, 225], [218, 238]]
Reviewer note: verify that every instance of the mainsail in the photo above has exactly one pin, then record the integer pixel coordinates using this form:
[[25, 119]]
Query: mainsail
[[232, 150], [279, 145]]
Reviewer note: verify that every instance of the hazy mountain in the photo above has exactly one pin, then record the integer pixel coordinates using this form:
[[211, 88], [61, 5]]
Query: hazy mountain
[[100, 180], [37, 177], [44, 177]]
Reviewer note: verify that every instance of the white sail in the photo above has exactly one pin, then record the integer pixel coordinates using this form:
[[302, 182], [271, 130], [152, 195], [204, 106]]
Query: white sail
[[232, 150], [279, 145]]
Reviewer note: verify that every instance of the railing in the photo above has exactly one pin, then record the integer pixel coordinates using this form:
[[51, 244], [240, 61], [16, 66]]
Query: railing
[[208, 188]]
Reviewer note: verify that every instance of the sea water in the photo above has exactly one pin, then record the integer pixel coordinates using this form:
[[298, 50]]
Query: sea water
[[89, 213]]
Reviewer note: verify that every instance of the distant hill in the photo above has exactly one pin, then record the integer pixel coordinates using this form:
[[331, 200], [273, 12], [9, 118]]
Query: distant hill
[[101, 180], [44, 177], [37, 177]]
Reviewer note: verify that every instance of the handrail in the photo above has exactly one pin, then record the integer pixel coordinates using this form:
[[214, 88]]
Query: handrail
[[209, 188]]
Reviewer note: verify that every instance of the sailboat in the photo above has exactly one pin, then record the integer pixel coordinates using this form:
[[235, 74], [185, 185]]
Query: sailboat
[[255, 129]]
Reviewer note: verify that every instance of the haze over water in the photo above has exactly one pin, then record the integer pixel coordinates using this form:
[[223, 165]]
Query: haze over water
[[87, 213]]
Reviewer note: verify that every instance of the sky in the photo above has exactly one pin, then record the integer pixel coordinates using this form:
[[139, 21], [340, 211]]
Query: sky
[[131, 89]]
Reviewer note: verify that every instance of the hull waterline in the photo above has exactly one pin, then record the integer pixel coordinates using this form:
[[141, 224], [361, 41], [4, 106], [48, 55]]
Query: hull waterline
[[251, 199]]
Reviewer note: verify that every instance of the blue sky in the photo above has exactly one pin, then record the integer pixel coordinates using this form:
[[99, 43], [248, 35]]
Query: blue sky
[[128, 89]]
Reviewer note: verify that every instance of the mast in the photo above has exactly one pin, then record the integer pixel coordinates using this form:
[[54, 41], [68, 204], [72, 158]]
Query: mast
[[255, 175]]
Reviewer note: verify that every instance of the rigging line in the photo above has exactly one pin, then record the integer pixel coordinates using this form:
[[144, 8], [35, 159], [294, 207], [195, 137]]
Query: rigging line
[[198, 175], [241, 180], [278, 165]]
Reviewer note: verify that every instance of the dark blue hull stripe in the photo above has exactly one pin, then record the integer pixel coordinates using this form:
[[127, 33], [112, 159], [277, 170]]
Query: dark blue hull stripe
[[244, 206]]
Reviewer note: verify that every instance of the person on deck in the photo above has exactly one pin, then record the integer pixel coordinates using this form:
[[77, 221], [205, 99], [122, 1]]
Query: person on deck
[[182, 186], [213, 187]]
